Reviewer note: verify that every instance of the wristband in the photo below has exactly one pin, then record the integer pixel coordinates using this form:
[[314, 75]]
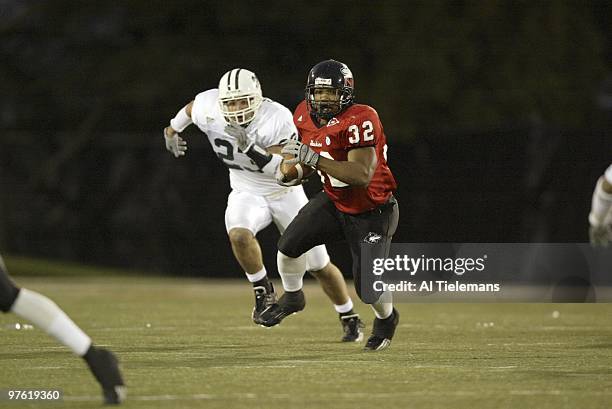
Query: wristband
[[181, 121]]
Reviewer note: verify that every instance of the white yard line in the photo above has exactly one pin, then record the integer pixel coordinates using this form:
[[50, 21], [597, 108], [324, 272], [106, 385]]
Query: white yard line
[[333, 396]]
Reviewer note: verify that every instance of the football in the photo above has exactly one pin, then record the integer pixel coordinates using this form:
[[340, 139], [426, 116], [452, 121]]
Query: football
[[297, 172]]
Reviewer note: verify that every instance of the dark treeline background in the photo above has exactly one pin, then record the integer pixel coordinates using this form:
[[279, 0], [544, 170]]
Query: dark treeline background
[[498, 116]]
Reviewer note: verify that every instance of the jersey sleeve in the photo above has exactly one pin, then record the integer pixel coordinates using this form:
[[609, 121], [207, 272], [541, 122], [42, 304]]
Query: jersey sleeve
[[363, 130], [283, 129], [202, 106]]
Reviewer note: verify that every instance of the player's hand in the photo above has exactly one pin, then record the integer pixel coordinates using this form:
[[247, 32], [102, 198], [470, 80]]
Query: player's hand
[[600, 235], [303, 153], [284, 141], [243, 141], [175, 144]]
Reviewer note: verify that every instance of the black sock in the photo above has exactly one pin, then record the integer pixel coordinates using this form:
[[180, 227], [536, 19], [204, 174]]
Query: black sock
[[344, 314], [264, 282], [90, 351], [390, 317]]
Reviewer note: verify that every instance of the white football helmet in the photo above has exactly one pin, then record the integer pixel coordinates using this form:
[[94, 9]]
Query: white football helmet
[[239, 96]]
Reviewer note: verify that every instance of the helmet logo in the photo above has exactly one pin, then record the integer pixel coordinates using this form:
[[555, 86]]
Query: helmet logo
[[323, 81], [348, 76], [346, 72]]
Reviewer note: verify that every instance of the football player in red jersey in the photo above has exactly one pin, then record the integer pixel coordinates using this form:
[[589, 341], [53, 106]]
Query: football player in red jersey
[[346, 143]]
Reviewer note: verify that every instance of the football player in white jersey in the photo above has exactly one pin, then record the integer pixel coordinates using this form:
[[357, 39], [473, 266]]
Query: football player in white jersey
[[600, 217], [245, 129]]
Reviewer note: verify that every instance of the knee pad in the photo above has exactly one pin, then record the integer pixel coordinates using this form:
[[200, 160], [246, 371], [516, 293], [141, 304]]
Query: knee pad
[[317, 259], [290, 265], [291, 270]]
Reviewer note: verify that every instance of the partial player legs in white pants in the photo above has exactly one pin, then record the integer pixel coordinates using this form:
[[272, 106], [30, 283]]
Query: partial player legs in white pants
[[46, 315], [247, 214]]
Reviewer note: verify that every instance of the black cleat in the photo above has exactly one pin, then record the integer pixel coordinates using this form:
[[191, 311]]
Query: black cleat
[[264, 298], [352, 327], [382, 332], [289, 303], [105, 368]]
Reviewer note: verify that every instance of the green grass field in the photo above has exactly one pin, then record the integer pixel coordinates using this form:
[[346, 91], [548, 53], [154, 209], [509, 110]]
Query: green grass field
[[201, 350]]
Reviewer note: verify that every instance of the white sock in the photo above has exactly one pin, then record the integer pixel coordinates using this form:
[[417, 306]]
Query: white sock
[[346, 307], [46, 315], [382, 310], [291, 271], [260, 275]]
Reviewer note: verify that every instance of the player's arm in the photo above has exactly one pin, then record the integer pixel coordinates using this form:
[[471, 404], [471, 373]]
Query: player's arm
[[600, 207], [249, 145], [174, 143], [357, 170]]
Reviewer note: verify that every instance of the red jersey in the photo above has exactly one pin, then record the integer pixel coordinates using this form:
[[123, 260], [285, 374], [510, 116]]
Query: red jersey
[[356, 127]]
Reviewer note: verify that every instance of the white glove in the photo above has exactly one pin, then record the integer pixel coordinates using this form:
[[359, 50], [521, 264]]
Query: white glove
[[243, 141], [303, 153], [600, 235], [175, 144]]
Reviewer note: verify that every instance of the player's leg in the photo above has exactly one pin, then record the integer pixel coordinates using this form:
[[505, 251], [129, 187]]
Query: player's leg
[[8, 290], [43, 313], [46, 315], [247, 252], [374, 230], [315, 224], [284, 209], [331, 280], [246, 214]]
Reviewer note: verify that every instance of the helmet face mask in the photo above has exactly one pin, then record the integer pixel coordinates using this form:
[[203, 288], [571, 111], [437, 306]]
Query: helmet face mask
[[329, 89], [325, 101], [239, 96], [240, 110]]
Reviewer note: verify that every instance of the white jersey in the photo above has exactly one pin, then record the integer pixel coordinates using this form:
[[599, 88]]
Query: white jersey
[[272, 123]]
